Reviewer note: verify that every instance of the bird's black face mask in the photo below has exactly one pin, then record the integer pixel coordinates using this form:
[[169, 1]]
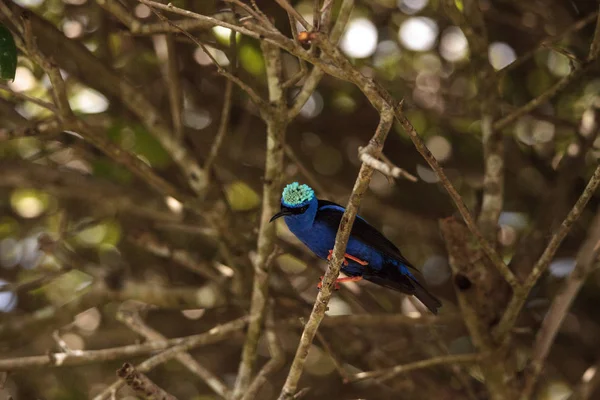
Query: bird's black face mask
[[289, 211]]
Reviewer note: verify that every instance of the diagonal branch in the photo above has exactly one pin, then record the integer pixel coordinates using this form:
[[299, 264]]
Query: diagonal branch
[[520, 296], [333, 270], [389, 373], [588, 254]]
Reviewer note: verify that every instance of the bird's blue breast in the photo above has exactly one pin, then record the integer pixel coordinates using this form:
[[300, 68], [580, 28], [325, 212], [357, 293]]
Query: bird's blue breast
[[320, 239]]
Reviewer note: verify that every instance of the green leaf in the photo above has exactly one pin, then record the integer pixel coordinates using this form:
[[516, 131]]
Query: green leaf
[[8, 54], [459, 4]]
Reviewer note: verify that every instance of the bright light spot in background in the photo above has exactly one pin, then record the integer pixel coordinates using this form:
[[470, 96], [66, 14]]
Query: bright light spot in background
[[290, 264], [29, 3], [409, 309], [89, 101], [411, 6], [507, 235], [174, 205], [93, 235], [224, 34], [203, 59], [543, 131], [556, 391], [10, 252], [194, 314], [8, 300], [72, 29], [196, 119], [88, 320], [562, 267], [387, 53], [426, 174], [24, 80], [28, 203], [73, 341], [338, 306], [440, 147], [32, 255], [318, 363], [360, 38], [453, 45], [418, 33], [435, 270], [515, 219], [589, 374], [225, 270], [501, 55], [142, 11], [313, 106], [559, 64]]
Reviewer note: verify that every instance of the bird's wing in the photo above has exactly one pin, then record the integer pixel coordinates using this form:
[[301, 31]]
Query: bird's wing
[[331, 214]]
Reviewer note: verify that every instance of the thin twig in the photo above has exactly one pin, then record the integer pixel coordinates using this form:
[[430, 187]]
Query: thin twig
[[223, 128], [292, 11], [34, 100], [389, 373], [360, 187], [386, 169]]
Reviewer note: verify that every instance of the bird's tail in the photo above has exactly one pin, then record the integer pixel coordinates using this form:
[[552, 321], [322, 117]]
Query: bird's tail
[[421, 293]]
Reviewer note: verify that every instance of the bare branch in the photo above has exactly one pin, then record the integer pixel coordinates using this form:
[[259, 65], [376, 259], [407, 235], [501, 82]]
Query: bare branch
[[386, 169], [62, 359], [389, 373]]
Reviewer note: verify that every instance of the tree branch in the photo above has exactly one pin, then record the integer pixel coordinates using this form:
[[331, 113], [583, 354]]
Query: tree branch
[[62, 359]]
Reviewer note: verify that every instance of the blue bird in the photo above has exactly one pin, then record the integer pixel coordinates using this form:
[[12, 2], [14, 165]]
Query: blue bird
[[369, 254]]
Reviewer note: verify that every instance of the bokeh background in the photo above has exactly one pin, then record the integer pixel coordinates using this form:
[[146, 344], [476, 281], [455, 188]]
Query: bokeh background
[[115, 239]]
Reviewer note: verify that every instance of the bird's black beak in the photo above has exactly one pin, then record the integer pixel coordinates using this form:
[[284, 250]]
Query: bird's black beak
[[280, 214]]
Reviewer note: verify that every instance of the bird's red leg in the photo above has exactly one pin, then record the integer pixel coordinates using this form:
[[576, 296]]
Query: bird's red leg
[[361, 262], [340, 280], [349, 257]]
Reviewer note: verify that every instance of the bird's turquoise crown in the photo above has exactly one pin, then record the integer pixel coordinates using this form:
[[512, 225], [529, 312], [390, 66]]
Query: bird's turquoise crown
[[296, 195]]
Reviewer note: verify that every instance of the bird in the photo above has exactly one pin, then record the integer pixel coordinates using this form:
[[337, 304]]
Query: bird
[[369, 254]]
